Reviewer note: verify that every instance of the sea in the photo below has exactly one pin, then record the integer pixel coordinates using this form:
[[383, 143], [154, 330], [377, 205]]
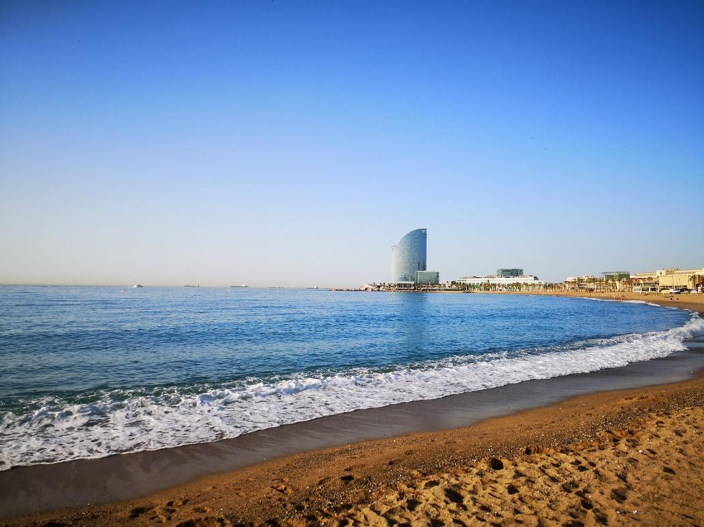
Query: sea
[[87, 372]]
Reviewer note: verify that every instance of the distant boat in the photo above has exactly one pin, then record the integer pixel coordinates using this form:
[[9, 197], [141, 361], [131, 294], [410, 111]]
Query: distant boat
[[243, 285], [189, 285], [136, 286]]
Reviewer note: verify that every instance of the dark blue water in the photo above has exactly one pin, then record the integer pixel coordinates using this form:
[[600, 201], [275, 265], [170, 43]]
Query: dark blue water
[[90, 371]]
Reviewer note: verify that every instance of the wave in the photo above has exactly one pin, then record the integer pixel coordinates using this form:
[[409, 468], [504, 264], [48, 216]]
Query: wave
[[631, 302], [123, 421]]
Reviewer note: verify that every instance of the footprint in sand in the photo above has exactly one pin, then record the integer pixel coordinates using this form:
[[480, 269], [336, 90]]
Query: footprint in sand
[[619, 494], [454, 496], [412, 504], [496, 463], [138, 511]]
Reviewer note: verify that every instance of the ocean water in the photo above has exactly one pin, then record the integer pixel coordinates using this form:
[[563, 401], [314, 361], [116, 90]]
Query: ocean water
[[87, 372]]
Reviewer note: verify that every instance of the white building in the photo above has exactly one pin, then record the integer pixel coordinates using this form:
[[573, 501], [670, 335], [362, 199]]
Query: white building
[[501, 280]]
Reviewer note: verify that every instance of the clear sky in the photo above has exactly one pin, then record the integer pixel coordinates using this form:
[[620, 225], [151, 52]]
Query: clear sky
[[292, 143]]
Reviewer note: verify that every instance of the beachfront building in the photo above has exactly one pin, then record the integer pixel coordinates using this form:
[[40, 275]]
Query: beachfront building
[[427, 278], [409, 263], [615, 275], [673, 278], [596, 284], [497, 282], [608, 282], [666, 279], [647, 282], [509, 272], [408, 256], [615, 281], [579, 283]]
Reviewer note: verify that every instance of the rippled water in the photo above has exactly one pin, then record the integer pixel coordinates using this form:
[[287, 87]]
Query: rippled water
[[87, 372]]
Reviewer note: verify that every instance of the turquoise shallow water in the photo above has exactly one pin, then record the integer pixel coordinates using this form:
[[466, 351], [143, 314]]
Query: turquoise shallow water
[[90, 371]]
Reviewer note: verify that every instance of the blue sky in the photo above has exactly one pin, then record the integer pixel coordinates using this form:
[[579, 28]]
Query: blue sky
[[292, 143]]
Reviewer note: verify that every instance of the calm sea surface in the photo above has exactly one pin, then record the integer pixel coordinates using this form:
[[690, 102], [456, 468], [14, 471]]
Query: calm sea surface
[[90, 371]]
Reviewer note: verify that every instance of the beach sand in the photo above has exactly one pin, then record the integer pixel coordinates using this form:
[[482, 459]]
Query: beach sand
[[684, 301], [610, 458], [649, 472]]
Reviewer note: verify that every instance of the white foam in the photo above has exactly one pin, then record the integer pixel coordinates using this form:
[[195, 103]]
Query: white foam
[[129, 422], [632, 302]]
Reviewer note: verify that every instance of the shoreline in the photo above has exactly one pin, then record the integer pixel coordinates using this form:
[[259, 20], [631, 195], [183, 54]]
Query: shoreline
[[681, 301], [116, 483], [320, 486]]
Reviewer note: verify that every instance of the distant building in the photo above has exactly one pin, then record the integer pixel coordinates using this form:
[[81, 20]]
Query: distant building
[[647, 282], [581, 283], [427, 278], [680, 278], [409, 256], [409, 261], [501, 280], [509, 272], [615, 275]]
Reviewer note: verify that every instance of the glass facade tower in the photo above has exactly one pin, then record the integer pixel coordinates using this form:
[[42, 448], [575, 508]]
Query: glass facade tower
[[409, 256]]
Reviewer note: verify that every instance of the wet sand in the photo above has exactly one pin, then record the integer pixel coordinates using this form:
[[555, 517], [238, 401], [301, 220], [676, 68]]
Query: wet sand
[[300, 474], [682, 301]]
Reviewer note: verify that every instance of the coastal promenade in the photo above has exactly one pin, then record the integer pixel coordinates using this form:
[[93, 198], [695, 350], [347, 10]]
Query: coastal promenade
[[609, 447]]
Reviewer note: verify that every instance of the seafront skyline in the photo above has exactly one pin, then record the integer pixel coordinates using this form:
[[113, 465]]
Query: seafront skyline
[[290, 144], [409, 270]]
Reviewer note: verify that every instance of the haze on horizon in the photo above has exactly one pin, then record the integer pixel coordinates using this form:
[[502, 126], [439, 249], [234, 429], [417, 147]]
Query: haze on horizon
[[293, 143]]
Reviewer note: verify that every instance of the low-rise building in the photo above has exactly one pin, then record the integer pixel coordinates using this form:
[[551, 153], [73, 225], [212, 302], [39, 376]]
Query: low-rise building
[[664, 279], [427, 278], [615, 275], [496, 280], [581, 283], [680, 278], [645, 282], [509, 272]]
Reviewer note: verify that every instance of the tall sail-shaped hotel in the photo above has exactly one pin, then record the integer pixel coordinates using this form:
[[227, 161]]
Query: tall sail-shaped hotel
[[409, 260]]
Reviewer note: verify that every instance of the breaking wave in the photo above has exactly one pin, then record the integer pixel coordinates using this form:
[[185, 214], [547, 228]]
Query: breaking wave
[[119, 421]]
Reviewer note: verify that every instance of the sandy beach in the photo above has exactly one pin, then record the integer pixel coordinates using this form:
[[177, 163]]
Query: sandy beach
[[684, 301], [607, 458], [291, 264]]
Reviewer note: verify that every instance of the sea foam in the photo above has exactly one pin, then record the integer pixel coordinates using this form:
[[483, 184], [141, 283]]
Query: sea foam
[[121, 421]]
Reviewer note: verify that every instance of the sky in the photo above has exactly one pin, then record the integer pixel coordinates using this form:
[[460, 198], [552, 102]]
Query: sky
[[293, 143]]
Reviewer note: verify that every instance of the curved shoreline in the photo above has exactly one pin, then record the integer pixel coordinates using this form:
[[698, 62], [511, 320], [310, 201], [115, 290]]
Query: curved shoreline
[[84, 484], [66, 428], [276, 488], [41, 488]]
